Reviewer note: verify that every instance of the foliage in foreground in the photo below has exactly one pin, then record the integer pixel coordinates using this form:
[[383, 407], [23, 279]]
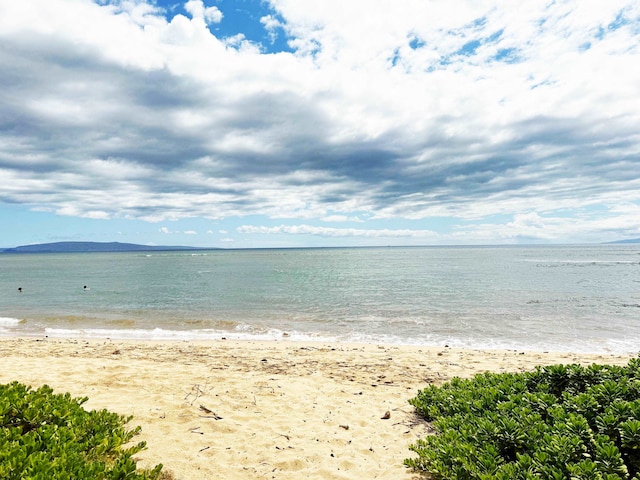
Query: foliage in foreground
[[557, 422], [50, 436]]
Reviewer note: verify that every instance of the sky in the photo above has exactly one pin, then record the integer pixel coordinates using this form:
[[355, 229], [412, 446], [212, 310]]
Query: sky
[[298, 123]]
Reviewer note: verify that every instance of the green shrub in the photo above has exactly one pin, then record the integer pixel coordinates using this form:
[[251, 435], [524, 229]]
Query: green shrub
[[564, 422], [46, 436]]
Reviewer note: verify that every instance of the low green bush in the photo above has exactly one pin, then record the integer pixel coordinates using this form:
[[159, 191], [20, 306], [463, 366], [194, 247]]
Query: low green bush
[[45, 436], [557, 422]]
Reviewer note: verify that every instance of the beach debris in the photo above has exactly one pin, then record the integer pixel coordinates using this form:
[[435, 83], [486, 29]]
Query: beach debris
[[211, 413], [346, 427], [197, 392], [386, 416]]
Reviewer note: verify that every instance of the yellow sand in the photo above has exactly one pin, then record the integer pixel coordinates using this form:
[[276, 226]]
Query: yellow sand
[[261, 410]]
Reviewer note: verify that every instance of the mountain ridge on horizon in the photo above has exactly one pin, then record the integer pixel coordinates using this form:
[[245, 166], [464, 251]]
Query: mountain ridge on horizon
[[628, 240], [88, 247], [77, 247]]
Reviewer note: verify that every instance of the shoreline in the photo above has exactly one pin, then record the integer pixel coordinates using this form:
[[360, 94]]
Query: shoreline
[[159, 335], [283, 409]]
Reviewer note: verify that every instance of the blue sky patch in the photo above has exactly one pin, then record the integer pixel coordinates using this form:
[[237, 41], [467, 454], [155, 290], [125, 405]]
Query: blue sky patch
[[396, 57], [470, 48], [584, 47], [242, 17], [507, 55], [416, 43], [620, 21]]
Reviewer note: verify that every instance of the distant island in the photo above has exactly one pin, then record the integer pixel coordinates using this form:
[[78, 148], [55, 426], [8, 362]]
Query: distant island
[[72, 247], [630, 240]]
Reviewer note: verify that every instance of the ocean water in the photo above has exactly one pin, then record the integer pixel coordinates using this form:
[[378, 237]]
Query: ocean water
[[548, 298]]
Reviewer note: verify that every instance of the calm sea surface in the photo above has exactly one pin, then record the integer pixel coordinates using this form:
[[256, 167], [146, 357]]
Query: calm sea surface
[[578, 298]]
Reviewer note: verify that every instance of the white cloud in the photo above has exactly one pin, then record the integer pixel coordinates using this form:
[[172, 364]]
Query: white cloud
[[411, 111], [190, 232], [335, 232], [271, 24], [534, 227], [198, 11], [341, 218]]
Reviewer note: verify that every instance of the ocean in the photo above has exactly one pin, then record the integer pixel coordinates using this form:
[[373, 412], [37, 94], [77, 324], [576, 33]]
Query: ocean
[[544, 298]]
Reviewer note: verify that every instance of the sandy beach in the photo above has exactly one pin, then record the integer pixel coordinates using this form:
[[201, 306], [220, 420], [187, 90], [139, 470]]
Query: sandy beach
[[257, 410]]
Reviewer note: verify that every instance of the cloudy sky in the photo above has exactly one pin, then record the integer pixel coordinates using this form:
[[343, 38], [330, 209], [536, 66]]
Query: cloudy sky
[[274, 123]]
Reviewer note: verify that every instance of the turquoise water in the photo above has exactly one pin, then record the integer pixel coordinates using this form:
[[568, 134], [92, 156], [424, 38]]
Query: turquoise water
[[578, 298]]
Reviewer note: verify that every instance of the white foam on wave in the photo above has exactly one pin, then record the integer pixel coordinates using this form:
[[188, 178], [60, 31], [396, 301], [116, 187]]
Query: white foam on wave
[[125, 334], [8, 321], [194, 335], [242, 332], [155, 334], [606, 346]]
